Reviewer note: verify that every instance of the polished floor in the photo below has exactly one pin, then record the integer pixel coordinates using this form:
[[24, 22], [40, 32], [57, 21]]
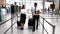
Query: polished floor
[[51, 18]]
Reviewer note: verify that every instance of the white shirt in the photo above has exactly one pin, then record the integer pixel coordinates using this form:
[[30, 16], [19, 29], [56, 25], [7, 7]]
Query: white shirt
[[34, 10], [23, 11]]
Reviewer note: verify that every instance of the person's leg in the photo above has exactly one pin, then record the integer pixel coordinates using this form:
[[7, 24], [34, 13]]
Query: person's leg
[[37, 24], [37, 21], [21, 20], [34, 23], [52, 11], [24, 19], [21, 26]]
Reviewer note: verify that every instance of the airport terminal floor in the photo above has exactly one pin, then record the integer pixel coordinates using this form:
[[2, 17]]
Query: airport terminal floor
[[49, 23]]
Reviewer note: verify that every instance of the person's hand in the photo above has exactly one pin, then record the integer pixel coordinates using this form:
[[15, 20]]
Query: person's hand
[[39, 12], [32, 13]]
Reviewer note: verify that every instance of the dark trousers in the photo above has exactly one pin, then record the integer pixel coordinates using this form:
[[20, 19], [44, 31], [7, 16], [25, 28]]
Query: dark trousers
[[35, 24]]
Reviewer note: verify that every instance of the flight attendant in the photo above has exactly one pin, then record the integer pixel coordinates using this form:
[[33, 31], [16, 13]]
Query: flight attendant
[[35, 14], [23, 17]]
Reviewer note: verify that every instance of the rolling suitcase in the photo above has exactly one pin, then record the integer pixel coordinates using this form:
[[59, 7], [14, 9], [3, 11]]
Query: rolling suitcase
[[30, 22], [18, 23]]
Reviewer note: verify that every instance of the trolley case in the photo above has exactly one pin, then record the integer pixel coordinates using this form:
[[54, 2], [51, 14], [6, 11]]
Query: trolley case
[[18, 23], [30, 22]]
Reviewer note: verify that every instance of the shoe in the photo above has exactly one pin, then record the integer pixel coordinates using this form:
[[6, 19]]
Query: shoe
[[21, 28], [33, 30], [36, 28]]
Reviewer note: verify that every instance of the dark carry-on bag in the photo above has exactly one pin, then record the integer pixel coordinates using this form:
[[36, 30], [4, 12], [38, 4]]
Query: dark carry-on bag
[[30, 22], [18, 23]]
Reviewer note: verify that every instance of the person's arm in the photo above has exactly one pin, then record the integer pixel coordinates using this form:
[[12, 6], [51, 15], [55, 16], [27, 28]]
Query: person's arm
[[32, 13], [38, 12]]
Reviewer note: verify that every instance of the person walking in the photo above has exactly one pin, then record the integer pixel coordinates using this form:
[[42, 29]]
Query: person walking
[[35, 15], [23, 17]]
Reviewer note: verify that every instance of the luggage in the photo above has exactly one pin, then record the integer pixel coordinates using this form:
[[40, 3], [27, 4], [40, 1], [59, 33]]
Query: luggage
[[18, 23], [30, 22]]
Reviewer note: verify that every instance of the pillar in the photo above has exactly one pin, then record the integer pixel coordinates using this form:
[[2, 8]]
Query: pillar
[[0, 14], [57, 6]]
